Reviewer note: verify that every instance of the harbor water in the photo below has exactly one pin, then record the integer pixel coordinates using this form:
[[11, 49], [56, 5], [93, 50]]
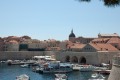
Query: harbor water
[[10, 73]]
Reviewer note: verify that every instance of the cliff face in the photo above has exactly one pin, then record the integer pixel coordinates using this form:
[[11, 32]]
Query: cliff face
[[115, 72]]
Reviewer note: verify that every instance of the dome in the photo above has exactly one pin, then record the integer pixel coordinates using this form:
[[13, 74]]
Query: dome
[[72, 34]]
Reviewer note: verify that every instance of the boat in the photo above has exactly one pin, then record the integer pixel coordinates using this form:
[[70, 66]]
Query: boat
[[24, 65], [97, 76], [60, 76], [59, 68], [76, 67], [23, 77], [20, 62], [84, 68]]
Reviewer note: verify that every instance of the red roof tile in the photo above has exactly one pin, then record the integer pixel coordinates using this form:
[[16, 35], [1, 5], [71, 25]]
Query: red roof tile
[[103, 47]]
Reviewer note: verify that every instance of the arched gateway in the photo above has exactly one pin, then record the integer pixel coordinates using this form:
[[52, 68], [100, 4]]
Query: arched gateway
[[67, 59], [82, 60], [74, 59]]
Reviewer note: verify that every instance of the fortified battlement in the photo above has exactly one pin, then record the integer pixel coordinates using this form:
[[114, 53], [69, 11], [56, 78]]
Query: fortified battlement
[[115, 72], [116, 61]]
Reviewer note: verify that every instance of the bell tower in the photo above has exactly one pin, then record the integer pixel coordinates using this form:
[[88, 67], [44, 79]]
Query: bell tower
[[72, 36]]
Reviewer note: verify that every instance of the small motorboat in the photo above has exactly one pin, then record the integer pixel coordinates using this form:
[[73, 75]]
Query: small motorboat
[[23, 77], [60, 77], [24, 65], [97, 76]]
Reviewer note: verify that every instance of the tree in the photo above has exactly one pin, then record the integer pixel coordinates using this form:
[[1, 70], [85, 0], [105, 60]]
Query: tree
[[109, 3]]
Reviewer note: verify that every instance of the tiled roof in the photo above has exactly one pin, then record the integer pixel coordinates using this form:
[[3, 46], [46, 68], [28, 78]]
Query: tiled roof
[[103, 47], [114, 40], [80, 46], [13, 42], [100, 39]]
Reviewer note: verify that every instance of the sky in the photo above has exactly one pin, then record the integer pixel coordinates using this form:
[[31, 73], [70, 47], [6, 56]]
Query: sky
[[54, 19]]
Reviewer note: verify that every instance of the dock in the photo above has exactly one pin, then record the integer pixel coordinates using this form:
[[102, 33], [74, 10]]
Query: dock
[[103, 71]]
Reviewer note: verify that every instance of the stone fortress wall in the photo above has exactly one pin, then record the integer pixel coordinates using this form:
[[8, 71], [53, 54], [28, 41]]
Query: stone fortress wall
[[115, 72], [74, 57]]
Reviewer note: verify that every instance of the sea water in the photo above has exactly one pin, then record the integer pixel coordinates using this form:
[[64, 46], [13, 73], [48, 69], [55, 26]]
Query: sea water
[[10, 73]]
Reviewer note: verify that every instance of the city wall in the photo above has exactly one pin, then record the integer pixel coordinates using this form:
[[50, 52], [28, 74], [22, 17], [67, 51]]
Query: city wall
[[91, 57], [14, 55]]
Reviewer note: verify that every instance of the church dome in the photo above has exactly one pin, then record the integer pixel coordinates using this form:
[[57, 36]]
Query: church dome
[[72, 34]]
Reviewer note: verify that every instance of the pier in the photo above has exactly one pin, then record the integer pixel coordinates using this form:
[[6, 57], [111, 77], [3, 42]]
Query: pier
[[103, 71]]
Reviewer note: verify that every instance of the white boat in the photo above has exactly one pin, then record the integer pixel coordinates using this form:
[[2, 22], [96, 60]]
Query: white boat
[[61, 68], [76, 67], [85, 68], [24, 65], [60, 77], [97, 76], [23, 77]]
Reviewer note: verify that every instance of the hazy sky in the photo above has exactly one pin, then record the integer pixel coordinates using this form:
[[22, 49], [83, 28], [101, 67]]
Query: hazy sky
[[54, 19]]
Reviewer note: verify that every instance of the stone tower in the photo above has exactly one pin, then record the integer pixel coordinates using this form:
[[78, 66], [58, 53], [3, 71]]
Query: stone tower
[[72, 36], [115, 72]]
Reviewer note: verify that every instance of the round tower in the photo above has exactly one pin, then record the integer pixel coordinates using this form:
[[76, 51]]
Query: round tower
[[115, 72], [72, 36]]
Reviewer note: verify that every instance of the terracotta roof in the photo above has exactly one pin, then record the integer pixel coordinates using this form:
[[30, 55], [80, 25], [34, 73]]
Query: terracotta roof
[[114, 40], [103, 47], [13, 42], [80, 46], [101, 39]]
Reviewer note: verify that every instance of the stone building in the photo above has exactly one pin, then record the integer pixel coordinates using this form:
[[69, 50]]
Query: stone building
[[115, 35], [82, 40], [1, 44], [11, 46]]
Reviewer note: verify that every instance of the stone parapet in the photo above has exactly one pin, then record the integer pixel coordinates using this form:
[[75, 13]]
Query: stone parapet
[[115, 72]]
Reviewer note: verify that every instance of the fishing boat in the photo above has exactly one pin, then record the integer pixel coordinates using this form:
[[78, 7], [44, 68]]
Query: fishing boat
[[60, 77], [23, 77]]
